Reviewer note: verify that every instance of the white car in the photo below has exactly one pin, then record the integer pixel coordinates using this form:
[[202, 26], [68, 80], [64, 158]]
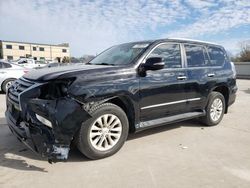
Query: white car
[[29, 63], [9, 72]]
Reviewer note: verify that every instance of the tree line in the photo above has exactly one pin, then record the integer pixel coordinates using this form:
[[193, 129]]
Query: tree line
[[83, 59], [244, 55]]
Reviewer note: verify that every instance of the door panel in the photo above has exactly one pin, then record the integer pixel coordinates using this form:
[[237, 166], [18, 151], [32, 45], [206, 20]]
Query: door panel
[[161, 94], [162, 91], [197, 87], [199, 76]]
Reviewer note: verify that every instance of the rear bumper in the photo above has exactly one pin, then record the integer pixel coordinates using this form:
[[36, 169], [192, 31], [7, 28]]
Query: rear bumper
[[232, 96]]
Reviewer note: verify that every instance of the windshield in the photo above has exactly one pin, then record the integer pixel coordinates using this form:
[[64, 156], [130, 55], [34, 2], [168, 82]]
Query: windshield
[[120, 55]]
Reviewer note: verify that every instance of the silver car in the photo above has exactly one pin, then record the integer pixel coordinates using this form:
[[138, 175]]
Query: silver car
[[8, 73]]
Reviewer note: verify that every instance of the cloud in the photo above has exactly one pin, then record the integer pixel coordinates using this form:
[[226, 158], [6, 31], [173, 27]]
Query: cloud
[[227, 14], [89, 26], [93, 25], [201, 4]]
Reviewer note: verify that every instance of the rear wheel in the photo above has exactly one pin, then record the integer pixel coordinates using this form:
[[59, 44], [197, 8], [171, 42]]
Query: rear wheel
[[105, 133], [215, 109], [6, 84]]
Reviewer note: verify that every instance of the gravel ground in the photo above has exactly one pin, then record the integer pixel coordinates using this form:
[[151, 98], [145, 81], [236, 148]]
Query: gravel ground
[[184, 154]]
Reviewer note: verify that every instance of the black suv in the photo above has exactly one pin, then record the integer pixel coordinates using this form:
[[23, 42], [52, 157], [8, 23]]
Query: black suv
[[127, 88]]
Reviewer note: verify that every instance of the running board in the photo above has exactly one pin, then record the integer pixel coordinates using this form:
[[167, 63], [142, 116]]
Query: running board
[[171, 119]]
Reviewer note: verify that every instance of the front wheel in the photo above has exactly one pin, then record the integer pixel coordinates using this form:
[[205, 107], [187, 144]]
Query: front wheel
[[215, 109], [105, 133], [6, 84]]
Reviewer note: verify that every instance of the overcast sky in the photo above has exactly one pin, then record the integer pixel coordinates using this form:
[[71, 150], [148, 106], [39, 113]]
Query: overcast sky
[[92, 26]]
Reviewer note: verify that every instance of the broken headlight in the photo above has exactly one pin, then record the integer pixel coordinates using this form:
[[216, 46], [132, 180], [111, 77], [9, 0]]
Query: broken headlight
[[55, 89]]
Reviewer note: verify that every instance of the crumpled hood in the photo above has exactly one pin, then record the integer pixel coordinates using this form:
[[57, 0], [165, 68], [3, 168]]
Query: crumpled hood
[[47, 74]]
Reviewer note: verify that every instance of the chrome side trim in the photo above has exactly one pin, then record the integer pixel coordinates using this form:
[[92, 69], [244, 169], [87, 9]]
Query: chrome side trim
[[170, 103]]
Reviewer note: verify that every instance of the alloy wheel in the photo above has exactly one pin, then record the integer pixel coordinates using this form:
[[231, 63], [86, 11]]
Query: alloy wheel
[[216, 109], [105, 132], [8, 84]]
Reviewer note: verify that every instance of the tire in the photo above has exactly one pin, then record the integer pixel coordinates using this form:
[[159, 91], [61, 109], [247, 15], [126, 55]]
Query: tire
[[215, 109], [6, 84], [96, 142]]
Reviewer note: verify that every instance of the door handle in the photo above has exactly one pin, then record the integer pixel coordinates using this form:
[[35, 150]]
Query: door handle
[[210, 75], [2, 72], [181, 77]]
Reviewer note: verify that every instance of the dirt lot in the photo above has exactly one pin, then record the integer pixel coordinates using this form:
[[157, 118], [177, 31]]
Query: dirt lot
[[180, 155]]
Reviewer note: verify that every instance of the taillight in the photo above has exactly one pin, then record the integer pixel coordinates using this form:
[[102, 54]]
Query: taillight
[[26, 71]]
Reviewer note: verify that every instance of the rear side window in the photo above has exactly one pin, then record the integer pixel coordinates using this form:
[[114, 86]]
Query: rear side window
[[217, 56], [6, 65], [22, 62], [196, 55], [171, 54], [1, 65]]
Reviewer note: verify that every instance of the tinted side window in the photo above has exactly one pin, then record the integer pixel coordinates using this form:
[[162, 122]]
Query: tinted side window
[[6, 65], [171, 54], [196, 55], [22, 62], [0, 65], [217, 56]]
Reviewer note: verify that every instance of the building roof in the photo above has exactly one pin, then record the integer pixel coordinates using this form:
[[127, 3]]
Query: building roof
[[60, 45]]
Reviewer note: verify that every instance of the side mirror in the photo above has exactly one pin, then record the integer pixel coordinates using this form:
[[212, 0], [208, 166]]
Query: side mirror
[[154, 63]]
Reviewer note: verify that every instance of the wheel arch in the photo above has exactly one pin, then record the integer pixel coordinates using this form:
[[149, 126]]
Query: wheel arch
[[1, 85], [127, 106], [224, 90], [122, 101]]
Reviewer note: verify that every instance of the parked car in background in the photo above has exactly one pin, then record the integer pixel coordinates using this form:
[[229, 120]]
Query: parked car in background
[[49, 65], [29, 63], [54, 65], [9, 72]]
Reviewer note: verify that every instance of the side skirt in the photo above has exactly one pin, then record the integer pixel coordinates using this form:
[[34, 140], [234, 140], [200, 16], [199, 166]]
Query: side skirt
[[168, 120]]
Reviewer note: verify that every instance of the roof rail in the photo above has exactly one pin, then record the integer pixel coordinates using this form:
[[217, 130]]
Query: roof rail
[[192, 40]]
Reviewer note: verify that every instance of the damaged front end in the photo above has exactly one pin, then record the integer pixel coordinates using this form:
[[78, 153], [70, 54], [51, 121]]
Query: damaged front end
[[44, 117]]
